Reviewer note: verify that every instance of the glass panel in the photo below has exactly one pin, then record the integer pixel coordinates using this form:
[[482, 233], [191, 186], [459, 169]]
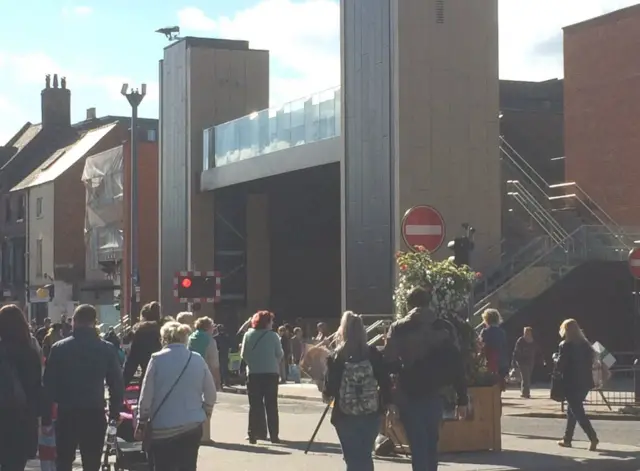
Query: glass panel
[[296, 123]]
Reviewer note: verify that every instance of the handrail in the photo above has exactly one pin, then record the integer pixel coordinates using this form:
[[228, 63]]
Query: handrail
[[516, 196], [533, 263], [552, 220], [592, 202], [545, 183], [513, 260]]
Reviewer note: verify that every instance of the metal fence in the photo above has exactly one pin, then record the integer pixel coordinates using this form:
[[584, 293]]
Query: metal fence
[[621, 389]]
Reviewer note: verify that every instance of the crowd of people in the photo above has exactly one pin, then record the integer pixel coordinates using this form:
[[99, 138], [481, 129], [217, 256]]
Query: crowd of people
[[53, 377]]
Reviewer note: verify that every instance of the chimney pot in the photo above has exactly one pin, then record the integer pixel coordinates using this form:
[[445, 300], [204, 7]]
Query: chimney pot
[[56, 104], [91, 113]]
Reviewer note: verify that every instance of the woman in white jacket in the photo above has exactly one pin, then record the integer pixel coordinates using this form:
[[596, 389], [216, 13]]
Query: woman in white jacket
[[177, 396]]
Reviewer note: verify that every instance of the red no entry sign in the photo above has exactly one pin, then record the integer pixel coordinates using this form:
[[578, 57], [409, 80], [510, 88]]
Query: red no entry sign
[[634, 262], [423, 225]]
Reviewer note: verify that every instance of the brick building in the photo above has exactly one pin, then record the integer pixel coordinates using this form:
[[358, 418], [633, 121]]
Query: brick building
[[602, 116]]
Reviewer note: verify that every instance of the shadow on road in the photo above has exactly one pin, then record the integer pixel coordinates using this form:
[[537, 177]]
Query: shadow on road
[[532, 461], [317, 447], [243, 448]]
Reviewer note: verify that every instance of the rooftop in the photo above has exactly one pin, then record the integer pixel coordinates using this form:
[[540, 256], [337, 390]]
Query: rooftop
[[62, 159]]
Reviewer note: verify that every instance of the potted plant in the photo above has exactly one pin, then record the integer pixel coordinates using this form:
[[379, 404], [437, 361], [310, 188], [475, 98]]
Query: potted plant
[[451, 287]]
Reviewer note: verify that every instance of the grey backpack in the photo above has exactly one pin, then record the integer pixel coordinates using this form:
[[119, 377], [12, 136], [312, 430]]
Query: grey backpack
[[358, 389]]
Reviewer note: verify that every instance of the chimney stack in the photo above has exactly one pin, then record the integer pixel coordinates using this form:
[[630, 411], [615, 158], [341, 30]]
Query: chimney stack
[[91, 113], [56, 103]]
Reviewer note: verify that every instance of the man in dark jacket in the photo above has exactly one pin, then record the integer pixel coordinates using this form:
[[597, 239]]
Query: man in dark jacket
[[74, 378], [422, 350], [144, 342]]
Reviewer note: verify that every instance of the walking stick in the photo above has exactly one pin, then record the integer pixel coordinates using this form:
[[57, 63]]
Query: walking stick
[[315, 432]]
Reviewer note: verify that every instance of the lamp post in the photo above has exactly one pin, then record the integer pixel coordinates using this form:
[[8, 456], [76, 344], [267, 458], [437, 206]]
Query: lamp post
[[134, 97]]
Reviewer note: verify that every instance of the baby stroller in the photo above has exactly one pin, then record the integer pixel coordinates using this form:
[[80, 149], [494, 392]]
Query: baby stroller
[[127, 453]]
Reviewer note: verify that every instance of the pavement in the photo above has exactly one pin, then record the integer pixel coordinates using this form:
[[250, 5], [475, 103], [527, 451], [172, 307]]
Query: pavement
[[538, 406], [528, 445]]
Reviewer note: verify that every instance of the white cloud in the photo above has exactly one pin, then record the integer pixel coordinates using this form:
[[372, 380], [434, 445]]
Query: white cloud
[[79, 10], [194, 19], [303, 37], [531, 33], [33, 67]]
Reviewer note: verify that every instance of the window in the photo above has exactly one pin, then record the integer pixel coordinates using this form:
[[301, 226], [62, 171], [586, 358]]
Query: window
[[21, 208], [39, 207], [39, 258], [151, 135]]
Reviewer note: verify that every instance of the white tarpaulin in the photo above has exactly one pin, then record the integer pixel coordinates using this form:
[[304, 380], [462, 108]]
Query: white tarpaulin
[[103, 181]]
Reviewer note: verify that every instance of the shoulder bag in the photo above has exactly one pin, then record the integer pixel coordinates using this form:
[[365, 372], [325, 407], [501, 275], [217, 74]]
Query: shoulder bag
[[148, 429]]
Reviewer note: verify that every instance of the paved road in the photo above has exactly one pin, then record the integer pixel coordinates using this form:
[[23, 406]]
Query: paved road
[[298, 419], [618, 432]]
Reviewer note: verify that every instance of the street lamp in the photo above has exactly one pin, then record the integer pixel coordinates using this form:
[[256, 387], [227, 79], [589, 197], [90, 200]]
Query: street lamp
[[134, 97]]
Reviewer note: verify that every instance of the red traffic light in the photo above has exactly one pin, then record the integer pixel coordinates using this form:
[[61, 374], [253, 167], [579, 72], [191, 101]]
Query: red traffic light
[[186, 283]]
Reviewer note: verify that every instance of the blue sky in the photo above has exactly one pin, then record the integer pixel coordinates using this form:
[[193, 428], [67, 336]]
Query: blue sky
[[100, 44]]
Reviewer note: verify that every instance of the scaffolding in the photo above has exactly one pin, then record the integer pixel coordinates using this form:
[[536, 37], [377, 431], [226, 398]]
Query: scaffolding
[[103, 228]]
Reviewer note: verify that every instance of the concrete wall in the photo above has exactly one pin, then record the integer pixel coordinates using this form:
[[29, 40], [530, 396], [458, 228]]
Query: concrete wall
[[204, 82], [602, 92], [446, 99], [420, 84]]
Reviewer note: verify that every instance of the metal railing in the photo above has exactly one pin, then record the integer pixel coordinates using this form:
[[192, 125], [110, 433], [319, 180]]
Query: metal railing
[[540, 183], [538, 212]]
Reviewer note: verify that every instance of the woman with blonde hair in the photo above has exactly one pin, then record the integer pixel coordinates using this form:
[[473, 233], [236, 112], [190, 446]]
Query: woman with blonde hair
[[494, 345], [574, 367], [359, 384], [176, 399]]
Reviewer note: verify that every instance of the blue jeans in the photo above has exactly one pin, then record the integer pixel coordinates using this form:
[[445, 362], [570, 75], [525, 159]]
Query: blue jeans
[[357, 435], [421, 419]]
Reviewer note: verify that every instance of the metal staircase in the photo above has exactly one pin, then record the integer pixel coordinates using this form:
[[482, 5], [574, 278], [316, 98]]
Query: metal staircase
[[573, 228]]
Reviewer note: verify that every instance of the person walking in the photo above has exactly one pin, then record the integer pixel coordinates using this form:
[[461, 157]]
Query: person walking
[[575, 368], [422, 350], [42, 332], [145, 341], [74, 379], [202, 342], [358, 383], [297, 346], [54, 335], [494, 345], [20, 391], [262, 352], [524, 359], [177, 397], [285, 342], [224, 347]]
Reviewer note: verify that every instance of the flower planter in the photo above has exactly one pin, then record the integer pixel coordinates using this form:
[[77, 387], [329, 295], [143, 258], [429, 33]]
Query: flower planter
[[480, 432]]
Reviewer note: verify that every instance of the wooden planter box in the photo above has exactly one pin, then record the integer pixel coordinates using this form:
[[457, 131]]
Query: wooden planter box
[[480, 432]]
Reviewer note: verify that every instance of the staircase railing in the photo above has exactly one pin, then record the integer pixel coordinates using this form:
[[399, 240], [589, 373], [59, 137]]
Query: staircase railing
[[510, 267], [538, 212], [593, 208], [532, 263]]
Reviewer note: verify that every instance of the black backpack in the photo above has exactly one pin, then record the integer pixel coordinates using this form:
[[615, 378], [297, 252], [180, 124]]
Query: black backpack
[[12, 393]]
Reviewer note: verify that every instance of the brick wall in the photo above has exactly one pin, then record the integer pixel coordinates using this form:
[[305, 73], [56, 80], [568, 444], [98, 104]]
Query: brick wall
[[147, 220], [602, 116], [69, 213]]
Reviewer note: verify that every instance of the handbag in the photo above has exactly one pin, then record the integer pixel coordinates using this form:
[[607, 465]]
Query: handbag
[[148, 429], [556, 391]]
